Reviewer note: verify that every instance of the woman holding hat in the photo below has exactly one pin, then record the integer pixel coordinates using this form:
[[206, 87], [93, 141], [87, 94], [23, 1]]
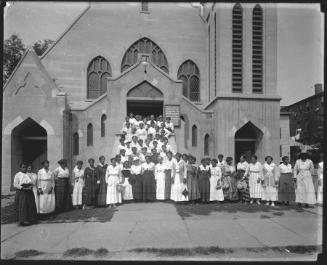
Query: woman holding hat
[[136, 179], [46, 185], [101, 189], [303, 169], [149, 184], [286, 192], [78, 180], [62, 187], [113, 174], [90, 180]]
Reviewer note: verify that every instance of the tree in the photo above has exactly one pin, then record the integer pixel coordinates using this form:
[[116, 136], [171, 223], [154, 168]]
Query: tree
[[41, 46], [13, 49]]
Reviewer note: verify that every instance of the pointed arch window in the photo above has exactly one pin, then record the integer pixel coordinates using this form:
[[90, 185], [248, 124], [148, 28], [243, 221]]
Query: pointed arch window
[[103, 125], [145, 45], [257, 49], [97, 72], [237, 48], [189, 73], [89, 135], [194, 135], [75, 144], [206, 144]]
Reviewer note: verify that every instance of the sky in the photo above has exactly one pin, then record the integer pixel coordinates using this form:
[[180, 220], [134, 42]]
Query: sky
[[300, 37]]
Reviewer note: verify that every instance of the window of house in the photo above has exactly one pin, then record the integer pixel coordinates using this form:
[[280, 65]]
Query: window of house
[[206, 144], [194, 135], [189, 73], [89, 135], [257, 49], [75, 144], [103, 125], [98, 71], [145, 6], [237, 48]]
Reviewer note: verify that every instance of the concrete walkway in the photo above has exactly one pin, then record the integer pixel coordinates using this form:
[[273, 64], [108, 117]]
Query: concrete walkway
[[157, 225]]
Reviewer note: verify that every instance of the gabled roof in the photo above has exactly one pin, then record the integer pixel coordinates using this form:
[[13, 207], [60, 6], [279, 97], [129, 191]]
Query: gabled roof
[[31, 53], [66, 31]]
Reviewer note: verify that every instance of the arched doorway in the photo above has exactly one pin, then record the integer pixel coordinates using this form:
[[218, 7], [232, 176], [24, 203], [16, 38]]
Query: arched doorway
[[247, 141], [145, 99], [28, 144]]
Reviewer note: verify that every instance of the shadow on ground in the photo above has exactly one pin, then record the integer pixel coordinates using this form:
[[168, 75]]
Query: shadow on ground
[[187, 210]]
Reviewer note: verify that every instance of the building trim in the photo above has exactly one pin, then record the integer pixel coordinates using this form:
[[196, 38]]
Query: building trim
[[321, 94], [88, 106]]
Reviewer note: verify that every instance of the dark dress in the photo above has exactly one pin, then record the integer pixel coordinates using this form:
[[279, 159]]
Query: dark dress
[[90, 180], [137, 186], [231, 193], [286, 191], [149, 185], [204, 184], [25, 205], [192, 183], [101, 190], [167, 183], [63, 191], [244, 194]]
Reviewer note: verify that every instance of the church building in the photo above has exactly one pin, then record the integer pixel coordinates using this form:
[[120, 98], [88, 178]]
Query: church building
[[212, 68]]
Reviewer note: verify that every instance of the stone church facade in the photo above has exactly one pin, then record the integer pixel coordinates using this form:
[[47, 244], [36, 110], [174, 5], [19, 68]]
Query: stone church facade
[[212, 69]]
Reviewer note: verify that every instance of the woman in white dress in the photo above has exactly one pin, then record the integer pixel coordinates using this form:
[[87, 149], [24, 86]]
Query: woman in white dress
[[159, 174], [113, 179], [46, 184], [78, 182], [216, 194], [254, 171], [141, 132], [304, 192], [179, 180], [320, 182], [126, 179], [33, 177], [270, 181]]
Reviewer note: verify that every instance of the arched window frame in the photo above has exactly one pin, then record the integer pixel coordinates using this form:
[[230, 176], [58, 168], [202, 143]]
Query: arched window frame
[[187, 72], [89, 135], [257, 49], [145, 45], [206, 145], [75, 143], [97, 72], [103, 125], [194, 135], [237, 48]]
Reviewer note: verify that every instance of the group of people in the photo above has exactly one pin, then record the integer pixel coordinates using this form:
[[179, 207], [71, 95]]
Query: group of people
[[146, 168]]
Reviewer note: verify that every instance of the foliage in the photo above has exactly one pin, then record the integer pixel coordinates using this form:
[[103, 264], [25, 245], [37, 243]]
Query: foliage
[[14, 48]]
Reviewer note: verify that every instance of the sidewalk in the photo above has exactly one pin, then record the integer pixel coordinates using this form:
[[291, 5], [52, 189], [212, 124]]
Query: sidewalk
[[158, 225]]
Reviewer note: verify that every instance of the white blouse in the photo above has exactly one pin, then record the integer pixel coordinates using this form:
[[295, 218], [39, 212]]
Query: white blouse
[[146, 166], [215, 171], [59, 172], [283, 169], [136, 170], [112, 171], [21, 178], [45, 179], [78, 174], [160, 168], [242, 165]]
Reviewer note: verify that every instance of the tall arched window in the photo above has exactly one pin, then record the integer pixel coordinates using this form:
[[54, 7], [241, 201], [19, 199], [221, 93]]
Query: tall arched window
[[144, 45], [97, 72], [75, 144], [194, 135], [89, 135], [103, 125], [206, 144], [189, 73], [257, 49], [237, 48]]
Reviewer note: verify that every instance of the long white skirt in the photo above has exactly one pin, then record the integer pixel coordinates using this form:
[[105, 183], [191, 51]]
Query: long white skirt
[[160, 187], [269, 193], [215, 195], [113, 196], [254, 187], [176, 190], [37, 200], [47, 202], [305, 191], [77, 192], [127, 192]]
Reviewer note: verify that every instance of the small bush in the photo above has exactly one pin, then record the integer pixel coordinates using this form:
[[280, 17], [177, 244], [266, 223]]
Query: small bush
[[28, 253]]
